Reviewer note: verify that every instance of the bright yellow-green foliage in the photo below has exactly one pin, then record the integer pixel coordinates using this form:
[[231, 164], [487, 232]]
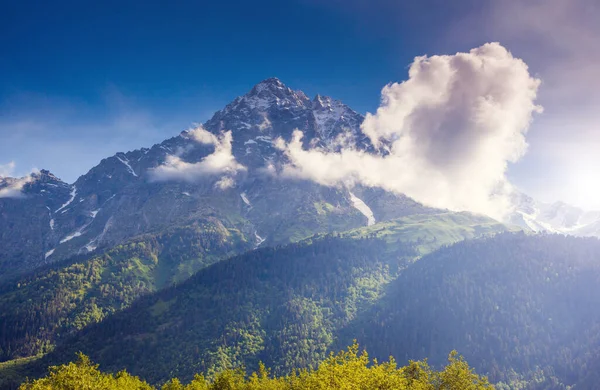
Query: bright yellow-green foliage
[[348, 370], [84, 375]]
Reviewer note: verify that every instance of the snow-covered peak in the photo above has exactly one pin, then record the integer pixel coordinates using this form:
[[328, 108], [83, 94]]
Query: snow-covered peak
[[270, 84], [323, 102], [557, 217], [271, 110], [269, 93], [333, 117]]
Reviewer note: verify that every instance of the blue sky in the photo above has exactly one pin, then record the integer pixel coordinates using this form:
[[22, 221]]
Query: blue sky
[[83, 80]]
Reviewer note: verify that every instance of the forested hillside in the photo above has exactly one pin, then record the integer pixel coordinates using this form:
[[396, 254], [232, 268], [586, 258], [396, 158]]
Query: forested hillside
[[282, 306], [523, 309], [46, 306], [43, 308], [520, 308]]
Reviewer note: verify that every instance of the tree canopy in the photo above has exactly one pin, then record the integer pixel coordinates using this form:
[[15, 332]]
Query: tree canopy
[[346, 370]]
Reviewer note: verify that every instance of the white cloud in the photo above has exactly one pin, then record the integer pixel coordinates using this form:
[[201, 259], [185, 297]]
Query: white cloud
[[225, 182], [445, 135], [13, 192], [220, 162], [203, 136], [12, 187]]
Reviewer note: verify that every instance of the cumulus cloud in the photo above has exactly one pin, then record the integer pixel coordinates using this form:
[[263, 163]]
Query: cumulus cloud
[[444, 136], [220, 162]]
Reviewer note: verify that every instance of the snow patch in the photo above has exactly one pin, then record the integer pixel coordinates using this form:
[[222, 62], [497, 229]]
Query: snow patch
[[73, 194], [186, 193], [92, 245], [245, 199], [259, 240], [266, 123], [71, 236], [361, 206], [49, 253], [326, 113], [79, 231], [264, 138], [51, 219], [126, 163]]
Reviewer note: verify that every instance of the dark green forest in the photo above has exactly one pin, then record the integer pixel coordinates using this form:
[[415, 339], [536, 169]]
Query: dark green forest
[[46, 306], [282, 306], [521, 308], [42, 309]]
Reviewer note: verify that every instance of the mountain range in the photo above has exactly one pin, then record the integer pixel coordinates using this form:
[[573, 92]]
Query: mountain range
[[46, 219], [192, 256], [119, 198]]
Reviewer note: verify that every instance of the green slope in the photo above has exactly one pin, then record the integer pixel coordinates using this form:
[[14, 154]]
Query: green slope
[[523, 308], [284, 306], [39, 310], [13, 372], [431, 231]]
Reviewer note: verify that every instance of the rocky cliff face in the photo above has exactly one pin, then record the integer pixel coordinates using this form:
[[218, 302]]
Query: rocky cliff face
[[120, 198], [29, 211]]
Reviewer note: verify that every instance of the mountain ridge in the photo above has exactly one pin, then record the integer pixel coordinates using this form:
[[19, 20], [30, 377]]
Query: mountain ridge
[[119, 198]]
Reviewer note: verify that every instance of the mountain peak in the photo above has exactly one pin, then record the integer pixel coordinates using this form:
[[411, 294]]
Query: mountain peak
[[271, 81], [320, 102], [272, 89], [270, 86], [268, 93], [45, 176]]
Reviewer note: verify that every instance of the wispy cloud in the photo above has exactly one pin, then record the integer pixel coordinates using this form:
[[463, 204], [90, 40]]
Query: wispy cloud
[[11, 187], [69, 136], [445, 135], [219, 163], [7, 169]]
